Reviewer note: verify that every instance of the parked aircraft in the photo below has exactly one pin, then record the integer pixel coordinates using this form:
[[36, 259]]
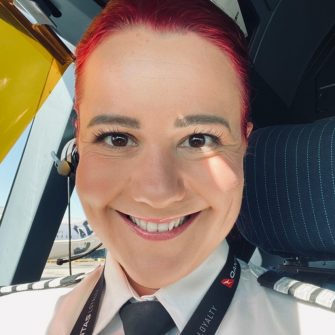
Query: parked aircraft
[[82, 239]]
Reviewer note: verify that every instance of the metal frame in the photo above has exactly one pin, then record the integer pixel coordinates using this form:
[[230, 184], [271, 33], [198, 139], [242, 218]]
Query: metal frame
[[38, 200]]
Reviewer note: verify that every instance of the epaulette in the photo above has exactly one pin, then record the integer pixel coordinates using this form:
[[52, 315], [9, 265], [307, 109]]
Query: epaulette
[[43, 284], [300, 290]]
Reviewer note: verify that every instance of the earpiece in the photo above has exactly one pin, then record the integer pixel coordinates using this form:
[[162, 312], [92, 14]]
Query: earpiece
[[69, 160]]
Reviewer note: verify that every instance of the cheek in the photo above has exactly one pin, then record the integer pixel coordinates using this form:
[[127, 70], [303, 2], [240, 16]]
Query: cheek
[[227, 176], [217, 177], [96, 179]]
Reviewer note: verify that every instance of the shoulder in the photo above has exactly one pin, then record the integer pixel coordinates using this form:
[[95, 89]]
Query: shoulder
[[286, 285], [29, 311], [282, 308], [30, 308]]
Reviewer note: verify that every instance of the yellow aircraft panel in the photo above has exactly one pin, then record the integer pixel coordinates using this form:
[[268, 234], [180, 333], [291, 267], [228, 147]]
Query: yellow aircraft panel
[[28, 73]]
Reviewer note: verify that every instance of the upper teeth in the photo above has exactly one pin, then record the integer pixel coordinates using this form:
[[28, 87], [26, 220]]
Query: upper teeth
[[152, 227]]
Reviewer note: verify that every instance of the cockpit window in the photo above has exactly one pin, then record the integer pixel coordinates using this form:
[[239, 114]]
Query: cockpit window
[[8, 168]]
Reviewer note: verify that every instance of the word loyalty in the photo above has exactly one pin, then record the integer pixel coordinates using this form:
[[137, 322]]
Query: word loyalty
[[207, 320]]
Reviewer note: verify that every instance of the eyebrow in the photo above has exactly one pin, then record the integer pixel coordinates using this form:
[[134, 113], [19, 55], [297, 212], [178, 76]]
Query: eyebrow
[[181, 122], [201, 119], [120, 120]]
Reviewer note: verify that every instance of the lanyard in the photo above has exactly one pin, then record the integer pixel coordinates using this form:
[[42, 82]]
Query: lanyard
[[214, 305], [206, 318], [87, 318]]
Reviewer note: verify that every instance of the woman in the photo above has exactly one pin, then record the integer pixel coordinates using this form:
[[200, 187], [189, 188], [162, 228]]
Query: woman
[[162, 102]]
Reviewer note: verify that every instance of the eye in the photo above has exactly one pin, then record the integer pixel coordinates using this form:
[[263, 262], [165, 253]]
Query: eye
[[116, 139], [201, 141]]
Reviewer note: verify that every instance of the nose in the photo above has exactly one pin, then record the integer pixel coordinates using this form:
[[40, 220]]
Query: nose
[[157, 180]]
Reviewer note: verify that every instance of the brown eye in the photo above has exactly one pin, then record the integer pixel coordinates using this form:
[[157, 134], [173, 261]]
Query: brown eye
[[116, 139], [119, 140], [197, 141], [200, 141]]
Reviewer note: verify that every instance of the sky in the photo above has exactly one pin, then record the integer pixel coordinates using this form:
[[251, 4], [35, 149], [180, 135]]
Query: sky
[[8, 169]]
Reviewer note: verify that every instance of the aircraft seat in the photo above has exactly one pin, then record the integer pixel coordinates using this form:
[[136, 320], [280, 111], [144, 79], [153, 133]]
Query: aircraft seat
[[288, 205]]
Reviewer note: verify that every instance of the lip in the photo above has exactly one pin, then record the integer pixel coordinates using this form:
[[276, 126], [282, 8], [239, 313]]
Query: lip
[[159, 236]]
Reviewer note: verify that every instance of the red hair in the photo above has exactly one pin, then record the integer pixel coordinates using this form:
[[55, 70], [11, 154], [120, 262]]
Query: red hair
[[199, 16]]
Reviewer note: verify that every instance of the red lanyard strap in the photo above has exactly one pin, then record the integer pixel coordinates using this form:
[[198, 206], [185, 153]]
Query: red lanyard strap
[[206, 318]]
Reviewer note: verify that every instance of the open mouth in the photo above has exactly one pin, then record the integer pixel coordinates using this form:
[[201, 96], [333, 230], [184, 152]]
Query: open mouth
[[161, 225]]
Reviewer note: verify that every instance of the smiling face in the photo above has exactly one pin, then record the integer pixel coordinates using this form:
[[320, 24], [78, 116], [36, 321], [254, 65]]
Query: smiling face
[[160, 174]]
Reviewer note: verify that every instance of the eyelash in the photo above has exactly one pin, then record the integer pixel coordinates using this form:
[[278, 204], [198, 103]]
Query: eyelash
[[101, 135], [214, 135]]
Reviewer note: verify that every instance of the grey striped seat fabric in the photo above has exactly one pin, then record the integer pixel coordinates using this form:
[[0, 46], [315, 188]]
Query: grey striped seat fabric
[[289, 197]]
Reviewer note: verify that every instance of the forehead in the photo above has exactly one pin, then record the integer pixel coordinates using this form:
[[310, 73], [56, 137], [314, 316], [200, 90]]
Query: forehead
[[160, 70]]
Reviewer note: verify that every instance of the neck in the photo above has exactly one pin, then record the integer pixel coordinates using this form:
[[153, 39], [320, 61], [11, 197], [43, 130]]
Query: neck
[[141, 290]]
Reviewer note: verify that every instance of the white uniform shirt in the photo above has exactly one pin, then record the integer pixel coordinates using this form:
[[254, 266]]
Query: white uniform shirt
[[254, 309]]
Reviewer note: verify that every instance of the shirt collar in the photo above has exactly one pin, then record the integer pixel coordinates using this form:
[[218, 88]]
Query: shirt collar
[[183, 297], [179, 299], [117, 292]]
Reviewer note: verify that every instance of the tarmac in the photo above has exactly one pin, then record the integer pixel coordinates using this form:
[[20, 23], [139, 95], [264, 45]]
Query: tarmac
[[52, 270]]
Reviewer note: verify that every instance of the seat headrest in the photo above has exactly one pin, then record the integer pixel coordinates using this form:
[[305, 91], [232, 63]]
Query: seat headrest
[[288, 206]]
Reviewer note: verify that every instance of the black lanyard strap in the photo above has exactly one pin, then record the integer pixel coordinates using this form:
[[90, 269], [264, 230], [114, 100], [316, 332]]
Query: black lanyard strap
[[206, 318], [88, 316], [213, 307]]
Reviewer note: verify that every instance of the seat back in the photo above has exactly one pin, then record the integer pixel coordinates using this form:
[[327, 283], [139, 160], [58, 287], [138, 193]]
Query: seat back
[[288, 206]]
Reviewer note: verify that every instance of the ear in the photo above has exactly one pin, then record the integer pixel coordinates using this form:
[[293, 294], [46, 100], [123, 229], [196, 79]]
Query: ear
[[249, 128]]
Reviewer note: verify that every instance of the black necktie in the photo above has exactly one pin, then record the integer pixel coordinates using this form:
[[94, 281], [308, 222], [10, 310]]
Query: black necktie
[[145, 318]]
